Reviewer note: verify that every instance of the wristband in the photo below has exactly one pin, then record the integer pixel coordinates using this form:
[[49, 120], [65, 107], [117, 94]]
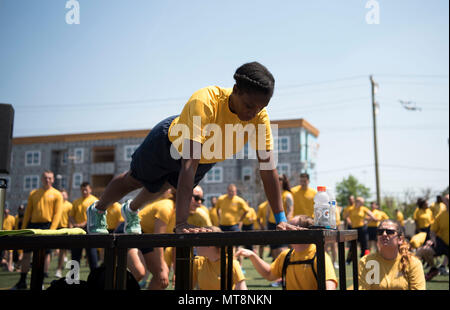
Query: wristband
[[280, 217]]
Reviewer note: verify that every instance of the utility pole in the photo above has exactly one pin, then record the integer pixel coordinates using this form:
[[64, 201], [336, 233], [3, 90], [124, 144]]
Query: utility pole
[[374, 112]]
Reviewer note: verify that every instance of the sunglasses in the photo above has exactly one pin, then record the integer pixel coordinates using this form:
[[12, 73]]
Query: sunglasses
[[389, 232], [198, 198]]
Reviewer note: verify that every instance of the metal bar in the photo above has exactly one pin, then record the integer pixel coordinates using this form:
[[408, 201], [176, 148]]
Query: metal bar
[[354, 249], [229, 268], [110, 268], [37, 270], [320, 250], [121, 269], [223, 269], [182, 268], [342, 274]]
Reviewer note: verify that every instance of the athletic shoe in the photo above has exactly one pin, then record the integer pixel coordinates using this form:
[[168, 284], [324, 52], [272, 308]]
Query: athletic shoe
[[132, 220], [431, 274], [276, 283], [58, 273], [336, 265], [96, 220], [19, 286], [443, 271]]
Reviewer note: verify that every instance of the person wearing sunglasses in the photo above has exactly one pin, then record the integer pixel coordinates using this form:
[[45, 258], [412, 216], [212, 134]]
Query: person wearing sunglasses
[[197, 216], [393, 267]]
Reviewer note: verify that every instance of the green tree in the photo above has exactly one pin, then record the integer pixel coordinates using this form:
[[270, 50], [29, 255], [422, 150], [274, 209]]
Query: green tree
[[350, 186]]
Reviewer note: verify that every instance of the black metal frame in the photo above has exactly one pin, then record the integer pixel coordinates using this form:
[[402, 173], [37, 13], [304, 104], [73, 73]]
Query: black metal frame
[[117, 245]]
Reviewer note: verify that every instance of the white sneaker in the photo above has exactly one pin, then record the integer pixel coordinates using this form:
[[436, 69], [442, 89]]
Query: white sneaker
[[58, 274], [336, 265]]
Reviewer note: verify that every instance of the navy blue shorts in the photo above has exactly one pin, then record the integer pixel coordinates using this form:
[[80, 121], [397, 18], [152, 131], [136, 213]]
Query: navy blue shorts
[[229, 227], [440, 247], [152, 164], [372, 231]]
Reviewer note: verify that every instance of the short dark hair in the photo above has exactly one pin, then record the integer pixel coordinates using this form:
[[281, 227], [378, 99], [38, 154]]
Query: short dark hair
[[304, 175], [84, 184], [254, 77]]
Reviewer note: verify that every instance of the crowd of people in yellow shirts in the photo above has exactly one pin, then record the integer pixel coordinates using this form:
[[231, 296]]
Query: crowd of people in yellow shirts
[[380, 239]]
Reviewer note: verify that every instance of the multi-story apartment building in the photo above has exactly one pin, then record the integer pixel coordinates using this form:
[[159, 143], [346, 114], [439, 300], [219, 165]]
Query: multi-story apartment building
[[97, 157]]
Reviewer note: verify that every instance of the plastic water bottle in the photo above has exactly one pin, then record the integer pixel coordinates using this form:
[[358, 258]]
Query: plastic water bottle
[[322, 208], [333, 208]]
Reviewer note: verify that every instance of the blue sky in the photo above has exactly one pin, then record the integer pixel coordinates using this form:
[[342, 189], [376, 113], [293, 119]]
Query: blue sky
[[128, 64]]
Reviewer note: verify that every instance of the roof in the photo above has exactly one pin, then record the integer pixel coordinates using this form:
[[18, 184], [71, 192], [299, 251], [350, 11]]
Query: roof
[[127, 134]]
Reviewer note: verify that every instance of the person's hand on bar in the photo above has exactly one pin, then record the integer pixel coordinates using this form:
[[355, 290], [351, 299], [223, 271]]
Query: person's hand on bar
[[186, 228], [287, 226]]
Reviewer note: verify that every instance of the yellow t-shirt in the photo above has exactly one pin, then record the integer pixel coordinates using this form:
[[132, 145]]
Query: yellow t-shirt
[[250, 217], [231, 210], [440, 226], [9, 222], [213, 216], [64, 223], [390, 276], [347, 211], [114, 216], [303, 200], [357, 216], [163, 210], [168, 256], [262, 214], [44, 206], [207, 273], [206, 210], [212, 114], [418, 240], [423, 217], [79, 208], [301, 276], [400, 218], [437, 208], [199, 218], [379, 215]]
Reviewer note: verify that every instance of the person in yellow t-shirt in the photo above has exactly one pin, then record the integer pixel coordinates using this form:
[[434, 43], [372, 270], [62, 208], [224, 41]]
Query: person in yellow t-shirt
[[18, 254], [438, 244], [180, 150], [198, 217], [8, 224], [423, 217], [44, 209], [304, 197], [438, 206], [78, 219], [393, 267], [372, 225], [357, 217], [347, 210], [400, 218], [114, 217], [231, 210], [296, 266], [206, 269], [155, 218], [213, 212], [64, 223]]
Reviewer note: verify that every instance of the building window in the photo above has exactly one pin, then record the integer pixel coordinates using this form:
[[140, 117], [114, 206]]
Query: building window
[[284, 169], [282, 144], [31, 182], [65, 158], [8, 182], [103, 154], [215, 175], [247, 173], [32, 158], [78, 155], [129, 150], [77, 179]]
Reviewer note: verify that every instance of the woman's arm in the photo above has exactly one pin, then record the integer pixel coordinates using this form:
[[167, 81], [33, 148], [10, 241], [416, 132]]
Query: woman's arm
[[261, 266], [241, 286]]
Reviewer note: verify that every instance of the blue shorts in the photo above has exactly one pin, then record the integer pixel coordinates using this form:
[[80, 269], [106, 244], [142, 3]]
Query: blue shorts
[[229, 227], [152, 164]]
